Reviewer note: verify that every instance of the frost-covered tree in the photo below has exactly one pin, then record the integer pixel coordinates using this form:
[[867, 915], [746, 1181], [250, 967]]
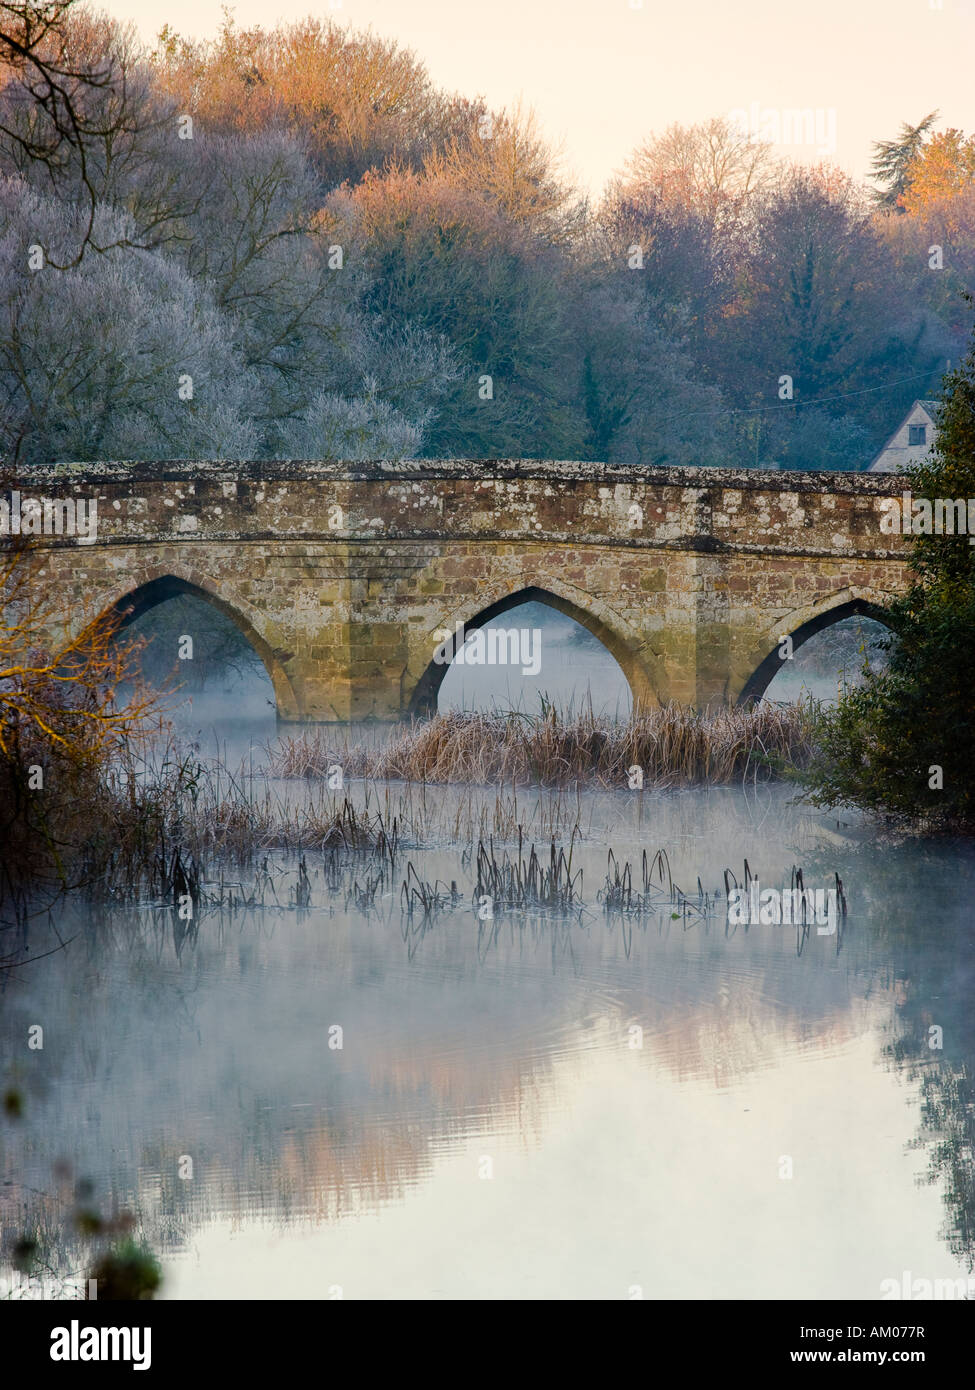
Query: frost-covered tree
[[644, 400], [442, 258], [254, 241], [289, 280], [46, 95], [120, 356], [357, 428]]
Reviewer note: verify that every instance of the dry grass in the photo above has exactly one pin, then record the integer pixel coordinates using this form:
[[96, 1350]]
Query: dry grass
[[169, 820], [674, 747]]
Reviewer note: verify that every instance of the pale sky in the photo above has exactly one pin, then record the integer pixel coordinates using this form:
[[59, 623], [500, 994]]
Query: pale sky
[[604, 74]]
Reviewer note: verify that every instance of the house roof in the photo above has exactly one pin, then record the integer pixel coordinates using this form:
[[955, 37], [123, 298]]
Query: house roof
[[929, 406]]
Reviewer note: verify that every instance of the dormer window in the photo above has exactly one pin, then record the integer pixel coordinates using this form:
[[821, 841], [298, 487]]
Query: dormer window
[[917, 434]]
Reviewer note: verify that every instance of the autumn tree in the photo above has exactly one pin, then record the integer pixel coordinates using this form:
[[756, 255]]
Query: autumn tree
[[934, 251], [712, 170], [505, 160], [360, 101], [70, 711], [941, 170]]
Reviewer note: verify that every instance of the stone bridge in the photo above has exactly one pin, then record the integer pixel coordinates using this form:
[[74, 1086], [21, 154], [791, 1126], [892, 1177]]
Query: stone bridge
[[345, 576]]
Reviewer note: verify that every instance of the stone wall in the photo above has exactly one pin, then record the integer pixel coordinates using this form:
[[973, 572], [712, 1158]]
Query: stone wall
[[341, 575]]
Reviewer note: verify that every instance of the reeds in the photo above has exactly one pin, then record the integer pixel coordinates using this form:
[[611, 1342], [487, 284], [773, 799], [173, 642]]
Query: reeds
[[674, 746], [654, 894], [417, 895], [166, 829], [526, 881]]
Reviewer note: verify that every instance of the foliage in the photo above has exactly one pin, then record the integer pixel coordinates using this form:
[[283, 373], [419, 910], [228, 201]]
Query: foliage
[[442, 258], [712, 169], [818, 302], [358, 100], [337, 254], [893, 158], [129, 1273], [942, 168], [813, 438], [68, 711], [903, 744]]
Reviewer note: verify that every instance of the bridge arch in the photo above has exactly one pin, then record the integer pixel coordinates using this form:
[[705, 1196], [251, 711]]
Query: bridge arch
[[148, 594], [608, 630], [770, 666]]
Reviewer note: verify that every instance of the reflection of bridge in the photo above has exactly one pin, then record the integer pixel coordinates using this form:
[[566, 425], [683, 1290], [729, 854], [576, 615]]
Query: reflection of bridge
[[343, 577]]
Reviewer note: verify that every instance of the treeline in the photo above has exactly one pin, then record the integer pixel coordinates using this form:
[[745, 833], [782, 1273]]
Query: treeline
[[290, 243]]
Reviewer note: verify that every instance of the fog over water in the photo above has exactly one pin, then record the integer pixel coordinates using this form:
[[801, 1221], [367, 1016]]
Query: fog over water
[[575, 672], [533, 1105]]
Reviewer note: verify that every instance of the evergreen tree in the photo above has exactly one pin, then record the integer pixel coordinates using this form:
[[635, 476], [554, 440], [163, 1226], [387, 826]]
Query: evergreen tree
[[891, 159], [904, 743]]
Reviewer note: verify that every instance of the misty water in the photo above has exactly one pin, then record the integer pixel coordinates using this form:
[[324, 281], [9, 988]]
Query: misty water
[[585, 1105]]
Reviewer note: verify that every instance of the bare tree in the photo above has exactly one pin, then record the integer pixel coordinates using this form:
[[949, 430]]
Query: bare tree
[[161, 377], [711, 169], [54, 109]]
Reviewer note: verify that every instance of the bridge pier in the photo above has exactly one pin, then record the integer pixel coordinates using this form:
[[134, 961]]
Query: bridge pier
[[349, 673]]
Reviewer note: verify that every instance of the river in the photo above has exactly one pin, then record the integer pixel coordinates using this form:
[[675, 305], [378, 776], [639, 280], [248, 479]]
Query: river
[[492, 1124], [344, 1100]]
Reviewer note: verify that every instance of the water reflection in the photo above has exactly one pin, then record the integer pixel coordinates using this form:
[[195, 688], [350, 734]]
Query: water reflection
[[550, 1109]]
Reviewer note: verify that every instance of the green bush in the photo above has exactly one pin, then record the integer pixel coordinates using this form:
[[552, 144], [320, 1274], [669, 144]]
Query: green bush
[[903, 744]]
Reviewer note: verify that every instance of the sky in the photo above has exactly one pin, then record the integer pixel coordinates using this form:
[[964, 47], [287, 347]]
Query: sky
[[603, 75]]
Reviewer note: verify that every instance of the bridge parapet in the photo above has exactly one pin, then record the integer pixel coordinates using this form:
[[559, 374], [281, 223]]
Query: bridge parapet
[[822, 513]]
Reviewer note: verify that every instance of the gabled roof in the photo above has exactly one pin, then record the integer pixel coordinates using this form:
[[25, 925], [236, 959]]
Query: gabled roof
[[929, 406]]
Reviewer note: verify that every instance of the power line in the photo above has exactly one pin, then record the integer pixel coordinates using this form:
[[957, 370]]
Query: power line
[[793, 405]]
